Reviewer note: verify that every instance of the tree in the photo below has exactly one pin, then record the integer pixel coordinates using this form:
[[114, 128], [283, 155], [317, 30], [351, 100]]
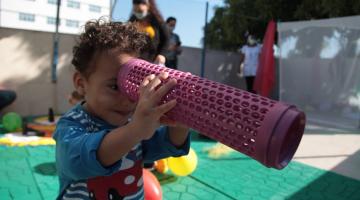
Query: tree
[[228, 27]]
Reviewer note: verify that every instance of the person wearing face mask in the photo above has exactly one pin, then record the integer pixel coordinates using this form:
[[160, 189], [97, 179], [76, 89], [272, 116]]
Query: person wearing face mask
[[249, 58], [174, 44], [149, 20]]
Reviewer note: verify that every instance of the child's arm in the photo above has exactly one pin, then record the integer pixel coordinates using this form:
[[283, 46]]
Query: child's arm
[[145, 121]]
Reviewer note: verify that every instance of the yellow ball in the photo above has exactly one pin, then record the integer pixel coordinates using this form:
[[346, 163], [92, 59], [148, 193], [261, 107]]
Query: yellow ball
[[184, 165]]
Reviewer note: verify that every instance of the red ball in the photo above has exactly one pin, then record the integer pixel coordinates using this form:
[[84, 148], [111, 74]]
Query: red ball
[[152, 186]]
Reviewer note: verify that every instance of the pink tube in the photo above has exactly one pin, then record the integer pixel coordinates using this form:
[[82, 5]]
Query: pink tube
[[266, 130]]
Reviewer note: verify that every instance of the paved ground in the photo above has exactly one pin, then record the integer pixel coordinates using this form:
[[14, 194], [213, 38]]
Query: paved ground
[[29, 173]]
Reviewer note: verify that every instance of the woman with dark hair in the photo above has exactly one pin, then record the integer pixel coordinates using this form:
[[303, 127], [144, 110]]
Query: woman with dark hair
[[149, 20]]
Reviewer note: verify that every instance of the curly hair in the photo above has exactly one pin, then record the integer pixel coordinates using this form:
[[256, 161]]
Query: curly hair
[[102, 35]]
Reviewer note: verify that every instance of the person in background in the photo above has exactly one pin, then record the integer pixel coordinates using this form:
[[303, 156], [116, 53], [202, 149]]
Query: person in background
[[250, 55], [174, 45], [149, 20]]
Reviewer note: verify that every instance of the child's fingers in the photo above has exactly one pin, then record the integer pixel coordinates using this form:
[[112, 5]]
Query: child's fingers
[[146, 81], [163, 75], [164, 108], [164, 89], [154, 83]]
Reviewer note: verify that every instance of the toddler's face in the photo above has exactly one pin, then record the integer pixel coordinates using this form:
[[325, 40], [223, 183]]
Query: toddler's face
[[103, 99]]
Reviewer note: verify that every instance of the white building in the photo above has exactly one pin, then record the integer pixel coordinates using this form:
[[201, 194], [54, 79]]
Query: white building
[[40, 15]]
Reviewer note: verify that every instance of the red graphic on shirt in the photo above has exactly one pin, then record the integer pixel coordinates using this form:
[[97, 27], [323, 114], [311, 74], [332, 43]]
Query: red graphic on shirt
[[117, 186]]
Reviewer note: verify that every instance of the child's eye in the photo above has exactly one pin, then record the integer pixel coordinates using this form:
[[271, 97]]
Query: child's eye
[[113, 87]]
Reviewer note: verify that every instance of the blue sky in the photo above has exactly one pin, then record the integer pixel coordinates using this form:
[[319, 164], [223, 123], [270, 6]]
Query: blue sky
[[190, 15]]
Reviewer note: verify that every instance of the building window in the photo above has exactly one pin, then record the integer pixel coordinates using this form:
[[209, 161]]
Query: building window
[[73, 4], [54, 2], [26, 17], [94, 8], [52, 20], [72, 23]]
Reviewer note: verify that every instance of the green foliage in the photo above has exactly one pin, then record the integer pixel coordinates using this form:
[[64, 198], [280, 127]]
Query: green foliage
[[226, 30]]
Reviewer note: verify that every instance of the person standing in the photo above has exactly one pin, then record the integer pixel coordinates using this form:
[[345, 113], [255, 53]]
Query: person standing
[[250, 55], [147, 17], [174, 45]]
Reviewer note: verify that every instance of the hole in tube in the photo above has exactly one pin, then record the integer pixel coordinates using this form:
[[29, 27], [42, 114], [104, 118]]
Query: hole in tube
[[197, 100], [201, 119], [245, 104], [221, 118], [198, 109], [213, 115], [216, 125], [206, 112], [239, 126], [212, 98], [227, 98], [264, 103], [256, 124], [197, 93], [228, 113], [204, 96], [254, 133], [237, 116], [219, 95], [251, 140], [212, 106], [246, 111], [204, 103], [247, 120], [236, 101], [230, 122], [236, 108], [229, 91], [220, 109], [237, 94], [212, 92], [263, 110], [255, 115], [255, 100], [254, 107], [228, 105], [191, 98], [220, 102]]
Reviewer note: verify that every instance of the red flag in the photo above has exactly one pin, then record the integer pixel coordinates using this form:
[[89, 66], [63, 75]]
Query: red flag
[[265, 75]]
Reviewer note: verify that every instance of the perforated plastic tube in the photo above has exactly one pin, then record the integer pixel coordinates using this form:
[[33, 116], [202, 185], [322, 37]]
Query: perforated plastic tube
[[264, 129]]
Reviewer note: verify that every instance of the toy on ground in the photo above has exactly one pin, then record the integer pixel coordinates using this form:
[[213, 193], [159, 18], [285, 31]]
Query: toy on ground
[[161, 165], [183, 165], [152, 186], [266, 130], [11, 122]]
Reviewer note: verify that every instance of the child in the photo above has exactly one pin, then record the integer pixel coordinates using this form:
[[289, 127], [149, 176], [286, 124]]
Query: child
[[99, 151]]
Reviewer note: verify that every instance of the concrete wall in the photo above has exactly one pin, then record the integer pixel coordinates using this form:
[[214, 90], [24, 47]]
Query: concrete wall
[[25, 66]]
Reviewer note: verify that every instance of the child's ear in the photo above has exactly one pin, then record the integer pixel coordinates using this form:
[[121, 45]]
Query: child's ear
[[79, 83]]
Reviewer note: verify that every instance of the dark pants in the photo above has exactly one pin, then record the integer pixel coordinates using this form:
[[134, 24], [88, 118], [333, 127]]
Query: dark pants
[[171, 63], [6, 98], [250, 83]]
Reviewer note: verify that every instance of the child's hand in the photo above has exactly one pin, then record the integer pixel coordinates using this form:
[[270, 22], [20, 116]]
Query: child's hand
[[146, 118]]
